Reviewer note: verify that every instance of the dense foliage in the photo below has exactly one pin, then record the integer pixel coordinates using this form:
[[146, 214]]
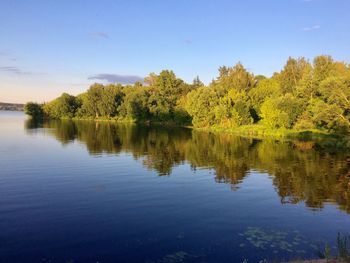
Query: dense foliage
[[301, 96], [34, 109]]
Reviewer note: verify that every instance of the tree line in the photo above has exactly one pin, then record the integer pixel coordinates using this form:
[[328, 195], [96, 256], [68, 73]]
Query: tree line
[[303, 95]]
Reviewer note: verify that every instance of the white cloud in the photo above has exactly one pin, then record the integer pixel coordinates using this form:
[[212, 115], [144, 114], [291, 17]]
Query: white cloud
[[315, 27], [115, 78]]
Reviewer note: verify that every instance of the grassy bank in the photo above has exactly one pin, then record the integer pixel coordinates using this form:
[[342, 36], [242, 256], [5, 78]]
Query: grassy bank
[[253, 130], [320, 138], [261, 131]]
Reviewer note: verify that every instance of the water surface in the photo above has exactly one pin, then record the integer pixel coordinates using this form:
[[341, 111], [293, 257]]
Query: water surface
[[101, 192]]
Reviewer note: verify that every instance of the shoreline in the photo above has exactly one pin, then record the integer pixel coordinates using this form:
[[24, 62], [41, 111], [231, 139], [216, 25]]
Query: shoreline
[[257, 131], [302, 139]]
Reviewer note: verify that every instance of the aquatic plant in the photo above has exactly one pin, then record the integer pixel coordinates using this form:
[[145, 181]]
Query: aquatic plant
[[325, 253], [342, 249], [274, 240], [176, 257]]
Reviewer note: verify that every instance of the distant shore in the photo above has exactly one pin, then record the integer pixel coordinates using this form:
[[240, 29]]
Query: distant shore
[[11, 106]]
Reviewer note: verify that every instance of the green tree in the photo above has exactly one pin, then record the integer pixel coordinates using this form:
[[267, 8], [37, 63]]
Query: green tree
[[292, 106], [111, 99], [293, 72], [135, 105], [164, 94], [327, 116], [236, 77], [34, 110], [266, 88], [233, 109], [272, 116], [93, 99], [200, 105], [197, 83], [64, 106], [323, 67]]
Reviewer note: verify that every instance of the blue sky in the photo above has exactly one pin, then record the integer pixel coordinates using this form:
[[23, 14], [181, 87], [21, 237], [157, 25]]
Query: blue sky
[[48, 47]]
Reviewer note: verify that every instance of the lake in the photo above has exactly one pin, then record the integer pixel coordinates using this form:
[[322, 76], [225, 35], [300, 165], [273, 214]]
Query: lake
[[81, 191]]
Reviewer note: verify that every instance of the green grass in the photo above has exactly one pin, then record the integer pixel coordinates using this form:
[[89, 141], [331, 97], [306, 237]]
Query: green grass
[[261, 131], [258, 130], [319, 138]]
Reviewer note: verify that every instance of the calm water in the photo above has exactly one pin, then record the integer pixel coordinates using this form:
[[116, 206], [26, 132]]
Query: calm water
[[101, 192]]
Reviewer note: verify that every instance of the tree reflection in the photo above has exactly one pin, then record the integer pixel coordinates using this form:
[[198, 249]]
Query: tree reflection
[[301, 171]]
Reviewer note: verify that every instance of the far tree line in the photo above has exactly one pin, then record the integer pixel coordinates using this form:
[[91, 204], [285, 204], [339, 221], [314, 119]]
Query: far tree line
[[303, 95]]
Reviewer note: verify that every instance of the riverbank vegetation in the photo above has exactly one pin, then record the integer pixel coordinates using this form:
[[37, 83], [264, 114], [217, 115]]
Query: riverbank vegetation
[[303, 96]]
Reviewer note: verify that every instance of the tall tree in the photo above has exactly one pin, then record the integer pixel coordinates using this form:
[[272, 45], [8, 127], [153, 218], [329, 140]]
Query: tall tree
[[236, 77], [94, 96], [293, 72]]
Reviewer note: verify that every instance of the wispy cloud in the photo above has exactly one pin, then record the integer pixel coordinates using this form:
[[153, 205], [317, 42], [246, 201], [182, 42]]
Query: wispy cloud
[[14, 70], [99, 34], [315, 27], [6, 54], [18, 71], [115, 78]]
